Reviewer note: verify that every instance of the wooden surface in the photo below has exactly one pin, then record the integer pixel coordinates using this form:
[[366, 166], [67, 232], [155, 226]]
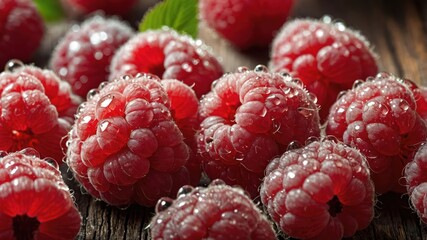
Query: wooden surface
[[398, 31]]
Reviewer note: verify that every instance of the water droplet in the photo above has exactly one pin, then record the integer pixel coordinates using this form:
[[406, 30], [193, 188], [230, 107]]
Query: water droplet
[[383, 75], [242, 69], [274, 99], [326, 19], [298, 82], [68, 143], [74, 46], [184, 190], [214, 83], [30, 152], [52, 162], [311, 140], [126, 77], [187, 67], [340, 25], [286, 90], [261, 68], [357, 83], [92, 93], [291, 175], [293, 145], [341, 94], [98, 55], [12, 65], [103, 125], [81, 108], [98, 37], [163, 204], [404, 105], [370, 79], [102, 85], [217, 182]]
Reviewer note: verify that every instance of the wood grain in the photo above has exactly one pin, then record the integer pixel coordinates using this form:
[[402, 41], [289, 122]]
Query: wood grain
[[398, 31]]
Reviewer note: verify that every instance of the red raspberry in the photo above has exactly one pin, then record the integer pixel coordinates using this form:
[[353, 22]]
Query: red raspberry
[[110, 7], [379, 117], [125, 146], [83, 56], [416, 179], [420, 95], [21, 30], [246, 23], [35, 203], [326, 56], [169, 55], [248, 118], [216, 212], [321, 191], [37, 110]]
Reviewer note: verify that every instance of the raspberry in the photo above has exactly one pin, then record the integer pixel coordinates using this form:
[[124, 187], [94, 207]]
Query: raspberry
[[216, 212], [420, 95], [21, 30], [169, 55], [125, 146], [83, 56], [37, 110], [248, 118], [379, 117], [416, 179], [321, 191], [246, 23], [328, 57], [35, 203], [110, 7]]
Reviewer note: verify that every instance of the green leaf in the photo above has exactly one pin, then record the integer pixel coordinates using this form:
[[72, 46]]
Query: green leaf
[[51, 10], [181, 15]]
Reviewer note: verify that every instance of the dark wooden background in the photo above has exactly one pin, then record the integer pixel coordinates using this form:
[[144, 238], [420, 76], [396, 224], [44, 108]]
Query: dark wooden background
[[398, 31]]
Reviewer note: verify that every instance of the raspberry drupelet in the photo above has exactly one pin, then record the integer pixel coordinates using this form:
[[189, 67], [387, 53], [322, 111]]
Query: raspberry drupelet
[[378, 116], [215, 212], [169, 55], [327, 56], [35, 203], [125, 146], [248, 118], [320, 191]]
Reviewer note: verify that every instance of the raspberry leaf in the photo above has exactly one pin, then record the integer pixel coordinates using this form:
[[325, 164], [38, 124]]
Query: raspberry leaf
[[180, 15], [51, 10]]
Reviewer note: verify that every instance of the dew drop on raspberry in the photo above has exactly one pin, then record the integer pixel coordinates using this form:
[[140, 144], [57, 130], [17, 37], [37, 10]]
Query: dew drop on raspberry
[[126, 77], [184, 190], [293, 145], [52, 162], [92, 93], [242, 69], [285, 75], [102, 85], [326, 19], [340, 26], [357, 83], [298, 82], [163, 204], [384, 75], [213, 84], [341, 94], [12, 65], [30, 152], [261, 68]]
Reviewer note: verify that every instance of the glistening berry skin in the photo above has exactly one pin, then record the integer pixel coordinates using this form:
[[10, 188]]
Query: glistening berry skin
[[248, 118], [328, 57], [21, 30], [416, 179], [35, 203], [83, 56], [379, 118], [246, 23], [216, 212], [320, 191], [168, 55], [110, 7], [125, 146], [37, 110]]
